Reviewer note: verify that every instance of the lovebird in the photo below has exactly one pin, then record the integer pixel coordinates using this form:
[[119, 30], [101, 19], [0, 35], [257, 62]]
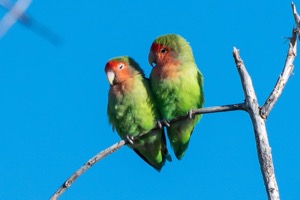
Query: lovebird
[[177, 85], [132, 110]]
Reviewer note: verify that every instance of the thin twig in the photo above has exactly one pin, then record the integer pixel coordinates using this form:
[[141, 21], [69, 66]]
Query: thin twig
[[283, 78], [297, 19], [208, 110], [115, 147], [261, 137], [86, 166]]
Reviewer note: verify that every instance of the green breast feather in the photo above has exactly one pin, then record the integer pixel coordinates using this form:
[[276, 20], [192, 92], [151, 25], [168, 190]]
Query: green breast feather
[[175, 97], [134, 112]]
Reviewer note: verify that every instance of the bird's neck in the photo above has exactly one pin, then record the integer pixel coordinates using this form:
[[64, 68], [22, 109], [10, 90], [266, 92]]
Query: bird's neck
[[166, 71], [123, 87]]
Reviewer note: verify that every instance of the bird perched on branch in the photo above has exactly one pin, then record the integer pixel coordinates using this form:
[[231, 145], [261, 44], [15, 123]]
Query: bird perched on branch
[[177, 85], [132, 110]]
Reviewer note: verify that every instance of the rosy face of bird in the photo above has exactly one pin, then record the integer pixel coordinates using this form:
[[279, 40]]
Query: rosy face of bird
[[116, 72], [158, 54]]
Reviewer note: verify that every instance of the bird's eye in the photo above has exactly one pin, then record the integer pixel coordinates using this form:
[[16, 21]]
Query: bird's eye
[[163, 50], [121, 66]]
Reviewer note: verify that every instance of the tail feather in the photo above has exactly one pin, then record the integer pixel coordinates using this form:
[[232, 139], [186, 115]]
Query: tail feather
[[149, 151], [179, 135]]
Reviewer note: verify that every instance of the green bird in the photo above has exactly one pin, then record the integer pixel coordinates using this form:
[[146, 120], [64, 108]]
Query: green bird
[[177, 85], [132, 110]]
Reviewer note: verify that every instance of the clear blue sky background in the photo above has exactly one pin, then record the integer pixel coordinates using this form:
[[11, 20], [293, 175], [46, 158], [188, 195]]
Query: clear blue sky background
[[53, 100]]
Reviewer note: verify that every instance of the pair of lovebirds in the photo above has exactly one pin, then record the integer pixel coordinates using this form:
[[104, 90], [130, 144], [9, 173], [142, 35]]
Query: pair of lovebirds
[[135, 103]]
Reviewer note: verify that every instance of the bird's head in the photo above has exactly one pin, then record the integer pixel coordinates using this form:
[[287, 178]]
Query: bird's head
[[120, 69], [169, 48]]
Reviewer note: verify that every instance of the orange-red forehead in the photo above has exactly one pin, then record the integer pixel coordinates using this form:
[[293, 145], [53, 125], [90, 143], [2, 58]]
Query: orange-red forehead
[[112, 65], [155, 47]]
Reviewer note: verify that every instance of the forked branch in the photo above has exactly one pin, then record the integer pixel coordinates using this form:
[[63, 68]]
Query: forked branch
[[260, 132], [258, 117], [283, 78]]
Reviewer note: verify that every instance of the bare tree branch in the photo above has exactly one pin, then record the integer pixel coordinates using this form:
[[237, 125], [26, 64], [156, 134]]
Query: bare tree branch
[[257, 115], [297, 19], [261, 138], [214, 109], [250, 105], [283, 78], [86, 166], [121, 143]]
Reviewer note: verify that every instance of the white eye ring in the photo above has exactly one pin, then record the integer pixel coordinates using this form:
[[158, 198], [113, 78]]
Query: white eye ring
[[163, 50], [121, 66]]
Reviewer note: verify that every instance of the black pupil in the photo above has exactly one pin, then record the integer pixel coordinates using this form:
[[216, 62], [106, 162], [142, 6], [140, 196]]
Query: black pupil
[[121, 66], [163, 50]]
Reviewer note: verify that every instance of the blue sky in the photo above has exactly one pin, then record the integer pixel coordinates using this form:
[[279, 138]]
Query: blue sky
[[53, 100]]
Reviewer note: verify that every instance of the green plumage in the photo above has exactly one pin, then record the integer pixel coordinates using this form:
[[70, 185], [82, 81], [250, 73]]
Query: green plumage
[[132, 110], [178, 87]]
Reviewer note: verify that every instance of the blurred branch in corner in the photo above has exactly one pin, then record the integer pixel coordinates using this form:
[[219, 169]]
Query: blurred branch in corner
[[16, 13]]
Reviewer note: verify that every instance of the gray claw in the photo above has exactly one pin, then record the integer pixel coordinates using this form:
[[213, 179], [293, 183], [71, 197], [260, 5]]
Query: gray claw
[[159, 124], [129, 139], [191, 114], [166, 122]]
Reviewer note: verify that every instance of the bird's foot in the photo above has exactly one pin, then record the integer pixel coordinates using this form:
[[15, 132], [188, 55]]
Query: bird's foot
[[166, 122], [191, 114], [129, 139], [159, 124], [163, 122]]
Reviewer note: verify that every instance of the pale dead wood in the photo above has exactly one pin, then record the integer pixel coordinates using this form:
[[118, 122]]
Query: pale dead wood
[[283, 77], [257, 115], [260, 132]]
